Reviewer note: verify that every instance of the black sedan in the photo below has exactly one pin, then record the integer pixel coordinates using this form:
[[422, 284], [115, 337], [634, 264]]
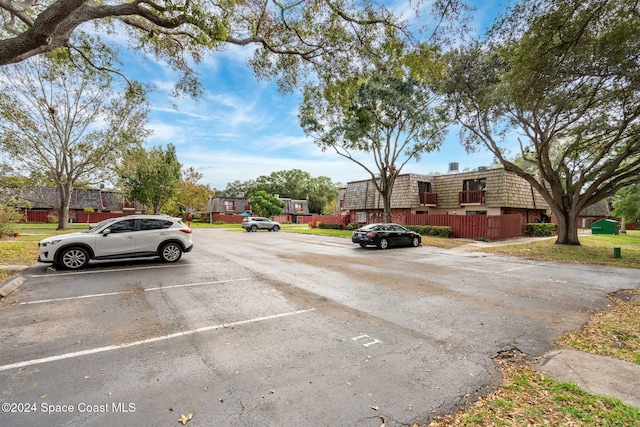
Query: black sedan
[[385, 235]]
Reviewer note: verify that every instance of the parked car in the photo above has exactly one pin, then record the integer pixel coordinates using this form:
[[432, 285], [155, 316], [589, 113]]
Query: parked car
[[129, 236], [255, 223], [385, 235]]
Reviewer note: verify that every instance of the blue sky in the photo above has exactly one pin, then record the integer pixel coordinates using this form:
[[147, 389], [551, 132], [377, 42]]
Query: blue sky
[[243, 128]]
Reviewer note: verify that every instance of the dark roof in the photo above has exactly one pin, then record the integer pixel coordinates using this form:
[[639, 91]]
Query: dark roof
[[47, 198]]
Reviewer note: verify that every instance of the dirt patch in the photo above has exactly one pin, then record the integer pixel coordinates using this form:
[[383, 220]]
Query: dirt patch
[[631, 295]]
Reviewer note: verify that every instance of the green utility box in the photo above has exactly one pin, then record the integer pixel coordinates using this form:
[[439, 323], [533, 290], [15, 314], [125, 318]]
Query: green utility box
[[605, 226]]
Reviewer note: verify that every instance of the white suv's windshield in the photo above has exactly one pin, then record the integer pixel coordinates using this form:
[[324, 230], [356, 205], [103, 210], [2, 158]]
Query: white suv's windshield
[[99, 226]]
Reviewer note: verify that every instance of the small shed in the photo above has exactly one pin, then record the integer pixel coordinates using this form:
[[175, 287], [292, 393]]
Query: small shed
[[605, 226]]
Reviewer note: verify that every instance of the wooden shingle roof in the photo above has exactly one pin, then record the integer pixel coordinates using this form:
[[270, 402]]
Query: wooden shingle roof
[[503, 189]]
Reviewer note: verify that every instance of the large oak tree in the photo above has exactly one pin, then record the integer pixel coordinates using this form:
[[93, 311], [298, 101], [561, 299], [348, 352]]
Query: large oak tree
[[558, 85]]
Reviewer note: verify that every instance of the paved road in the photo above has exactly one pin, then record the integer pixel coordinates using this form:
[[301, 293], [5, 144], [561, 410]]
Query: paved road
[[281, 329]]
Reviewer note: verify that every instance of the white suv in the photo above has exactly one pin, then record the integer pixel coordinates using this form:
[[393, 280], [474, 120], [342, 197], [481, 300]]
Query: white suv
[[253, 223], [129, 236]]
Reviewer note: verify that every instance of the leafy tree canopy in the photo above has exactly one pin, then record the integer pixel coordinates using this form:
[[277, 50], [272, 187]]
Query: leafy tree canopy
[[563, 78], [191, 196], [627, 204], [151, 176], [299, 185], [387, 116], [62, 126], [289, 37], [265, 204], [294, 184]]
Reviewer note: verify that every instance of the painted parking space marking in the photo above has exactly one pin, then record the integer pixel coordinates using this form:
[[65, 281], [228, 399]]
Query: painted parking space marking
[[523, 266], [158, 288], [111, 270], [32, 362], [369, 341]]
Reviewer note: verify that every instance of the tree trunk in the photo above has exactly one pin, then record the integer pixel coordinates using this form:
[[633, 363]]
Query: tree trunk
[[567, 229], [387, 207], [63, 217], [63, 209], [385, 191], [387, 183]]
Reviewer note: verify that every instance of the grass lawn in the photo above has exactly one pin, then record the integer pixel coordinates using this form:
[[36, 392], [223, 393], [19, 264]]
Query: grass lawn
[[23, 250], [613, 333], [528, 398], [593, 249]]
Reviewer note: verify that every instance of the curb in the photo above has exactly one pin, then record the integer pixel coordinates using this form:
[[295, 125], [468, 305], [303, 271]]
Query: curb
[[11, 286], [596, 374]]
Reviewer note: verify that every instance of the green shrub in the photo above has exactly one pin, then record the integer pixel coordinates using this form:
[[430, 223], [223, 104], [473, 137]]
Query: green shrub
[[540, 229], [431, 230], [219, 222], [330, 226], [52, 219], [353, 226], [9, 217]]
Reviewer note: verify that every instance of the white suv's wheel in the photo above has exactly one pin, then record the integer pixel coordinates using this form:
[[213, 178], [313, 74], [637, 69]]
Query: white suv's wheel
[[171, 252], [74, 258]]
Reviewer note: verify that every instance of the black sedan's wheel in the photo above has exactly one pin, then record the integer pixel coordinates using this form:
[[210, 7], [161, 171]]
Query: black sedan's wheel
[[384, 243], [171, 252], [362, 245], [74, 258], [415, 242], [275, 228], [254, 228]]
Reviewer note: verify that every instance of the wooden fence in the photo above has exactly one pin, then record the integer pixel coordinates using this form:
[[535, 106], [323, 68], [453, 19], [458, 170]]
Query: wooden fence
[[326, 219], [491, 227], [228, 219], [75, 216], [36, 216]]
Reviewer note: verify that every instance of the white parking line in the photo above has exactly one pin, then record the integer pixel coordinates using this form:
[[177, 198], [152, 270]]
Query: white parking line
[[523, 266], [111, 270], [158, 288], [26, 363]]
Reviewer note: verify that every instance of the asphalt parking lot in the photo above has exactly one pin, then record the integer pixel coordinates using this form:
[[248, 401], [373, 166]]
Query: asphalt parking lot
[[281, 329]]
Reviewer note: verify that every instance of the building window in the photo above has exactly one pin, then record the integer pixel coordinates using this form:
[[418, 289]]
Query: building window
[[426, 194], [229, 205], [473, 191], [474, 184], [424, 187]]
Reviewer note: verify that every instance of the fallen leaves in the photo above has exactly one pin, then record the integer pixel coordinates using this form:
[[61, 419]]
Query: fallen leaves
[[185, 419]]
